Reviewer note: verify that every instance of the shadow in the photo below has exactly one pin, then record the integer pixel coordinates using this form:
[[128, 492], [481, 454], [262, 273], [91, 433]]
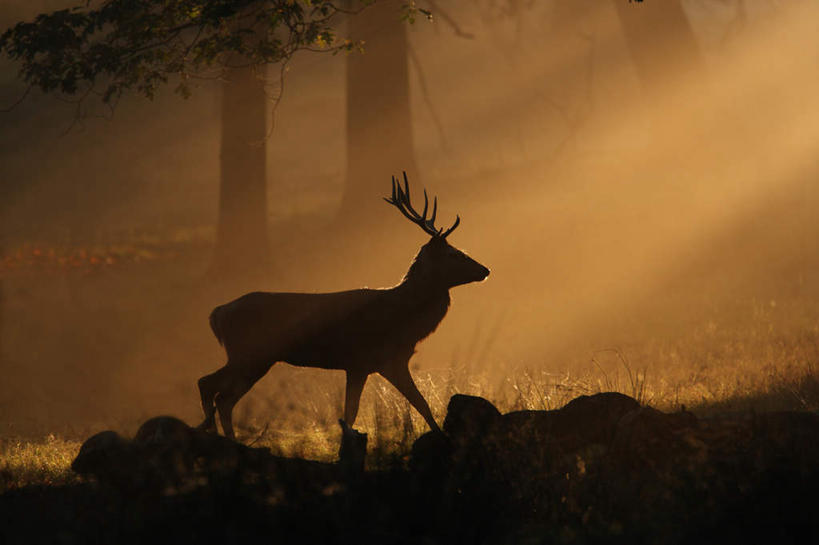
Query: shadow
[[603, 468], [781, 394]]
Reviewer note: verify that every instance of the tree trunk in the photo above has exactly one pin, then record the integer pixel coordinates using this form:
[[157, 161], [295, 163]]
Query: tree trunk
[[241, 236], [660, 41], [2, 308], [379, 123]]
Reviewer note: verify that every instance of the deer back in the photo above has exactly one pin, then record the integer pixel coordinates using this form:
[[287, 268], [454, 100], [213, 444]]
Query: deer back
[[326, 329]]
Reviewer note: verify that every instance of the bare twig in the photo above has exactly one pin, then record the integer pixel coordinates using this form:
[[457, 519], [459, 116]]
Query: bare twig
[[427, 99], [17, 102], [448, 19], [283, 69], [605, 375], [264, 430]]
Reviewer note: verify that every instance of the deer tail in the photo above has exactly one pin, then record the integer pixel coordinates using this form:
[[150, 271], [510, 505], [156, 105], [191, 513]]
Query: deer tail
[[217, 324]]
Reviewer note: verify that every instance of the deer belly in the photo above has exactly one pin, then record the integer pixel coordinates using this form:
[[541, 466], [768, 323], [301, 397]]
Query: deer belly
[[340, 355], [318, 355]]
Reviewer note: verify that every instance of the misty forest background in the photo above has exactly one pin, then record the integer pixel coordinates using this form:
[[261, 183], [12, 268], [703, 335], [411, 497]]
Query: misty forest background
[[641, 181]]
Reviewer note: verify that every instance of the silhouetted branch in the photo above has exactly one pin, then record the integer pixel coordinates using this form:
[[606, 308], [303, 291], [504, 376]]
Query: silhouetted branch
[[427, 99], [260, 435], [116, 47], [283, 69], [448, 19], [17, 102]]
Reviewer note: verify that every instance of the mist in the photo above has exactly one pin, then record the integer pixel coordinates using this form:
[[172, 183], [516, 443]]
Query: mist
[[662, 228]]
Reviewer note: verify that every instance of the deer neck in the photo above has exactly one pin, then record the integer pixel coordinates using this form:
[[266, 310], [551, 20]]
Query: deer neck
[[425, 305], [423, 288], [420, 312], [422, 293], [424, 299]]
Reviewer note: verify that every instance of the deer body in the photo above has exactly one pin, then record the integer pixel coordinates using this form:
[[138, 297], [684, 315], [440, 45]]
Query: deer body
[[361, 331], [328, 330]]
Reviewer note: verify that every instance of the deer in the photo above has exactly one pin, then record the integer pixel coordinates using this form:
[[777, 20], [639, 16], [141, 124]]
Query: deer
[[361, 331]]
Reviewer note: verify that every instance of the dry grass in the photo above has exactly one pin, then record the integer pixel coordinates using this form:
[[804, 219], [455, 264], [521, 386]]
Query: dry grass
[[789, 382], [42, 462], [393, 426]]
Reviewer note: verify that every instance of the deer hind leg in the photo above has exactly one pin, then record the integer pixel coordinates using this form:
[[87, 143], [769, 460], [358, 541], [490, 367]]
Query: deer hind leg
[[240, 380], [209, 386], [402, 380]]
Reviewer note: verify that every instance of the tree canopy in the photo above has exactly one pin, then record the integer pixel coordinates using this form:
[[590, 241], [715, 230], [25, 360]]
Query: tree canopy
[[109, 47]]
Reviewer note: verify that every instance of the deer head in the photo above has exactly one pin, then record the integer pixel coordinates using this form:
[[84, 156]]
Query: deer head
[[437, 263]]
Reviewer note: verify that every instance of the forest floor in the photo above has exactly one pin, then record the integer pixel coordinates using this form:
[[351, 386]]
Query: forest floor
[[603, 468]]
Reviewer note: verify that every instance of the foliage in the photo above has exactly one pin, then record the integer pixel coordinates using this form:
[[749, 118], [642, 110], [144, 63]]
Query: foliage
[[108, 47]]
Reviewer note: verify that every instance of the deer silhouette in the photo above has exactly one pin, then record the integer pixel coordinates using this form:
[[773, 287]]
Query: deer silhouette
[[360, 331]]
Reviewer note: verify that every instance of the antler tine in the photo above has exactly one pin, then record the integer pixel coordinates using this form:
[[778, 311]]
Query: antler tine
[[407, 191], [406, 202], [394, 198], [394, 194], [401, 200], [454, 225], [429, 224], [398, 200], [426, 206]]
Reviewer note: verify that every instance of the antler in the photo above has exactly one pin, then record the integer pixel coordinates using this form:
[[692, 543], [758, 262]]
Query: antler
[[401, 200]]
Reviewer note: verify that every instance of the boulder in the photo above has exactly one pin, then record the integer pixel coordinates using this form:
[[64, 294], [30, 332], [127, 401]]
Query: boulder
[[468, 417], [109, 458]]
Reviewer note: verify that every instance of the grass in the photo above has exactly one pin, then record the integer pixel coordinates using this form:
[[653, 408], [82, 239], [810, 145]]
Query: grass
[[393, 426], [45, 461], [790, 381]]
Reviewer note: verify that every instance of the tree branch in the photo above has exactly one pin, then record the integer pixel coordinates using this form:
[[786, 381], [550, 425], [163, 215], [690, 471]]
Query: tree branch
[[425, 93], [448, 19], [18, 101]]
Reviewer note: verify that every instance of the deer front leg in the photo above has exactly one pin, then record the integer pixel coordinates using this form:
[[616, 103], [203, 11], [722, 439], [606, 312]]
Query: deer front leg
[[352, 395], [402, 380]]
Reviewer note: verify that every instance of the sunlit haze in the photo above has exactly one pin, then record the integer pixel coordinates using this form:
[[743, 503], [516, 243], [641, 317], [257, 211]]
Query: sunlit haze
[[660, 228]]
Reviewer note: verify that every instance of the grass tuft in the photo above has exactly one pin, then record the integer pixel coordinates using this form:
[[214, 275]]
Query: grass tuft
[[42, 462]]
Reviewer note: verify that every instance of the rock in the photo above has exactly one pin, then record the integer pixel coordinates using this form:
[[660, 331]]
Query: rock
[[109, 458], [166, 456], [489, 451], [430, 454], [162, 430], [165, 453], [168, 450], [608, 405], [468, 417], [647, 436], [584, 421]]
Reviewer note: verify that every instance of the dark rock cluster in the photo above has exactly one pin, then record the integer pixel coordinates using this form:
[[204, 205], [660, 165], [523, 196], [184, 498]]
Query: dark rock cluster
[[606, 468], [602, 469], [166, 456]]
